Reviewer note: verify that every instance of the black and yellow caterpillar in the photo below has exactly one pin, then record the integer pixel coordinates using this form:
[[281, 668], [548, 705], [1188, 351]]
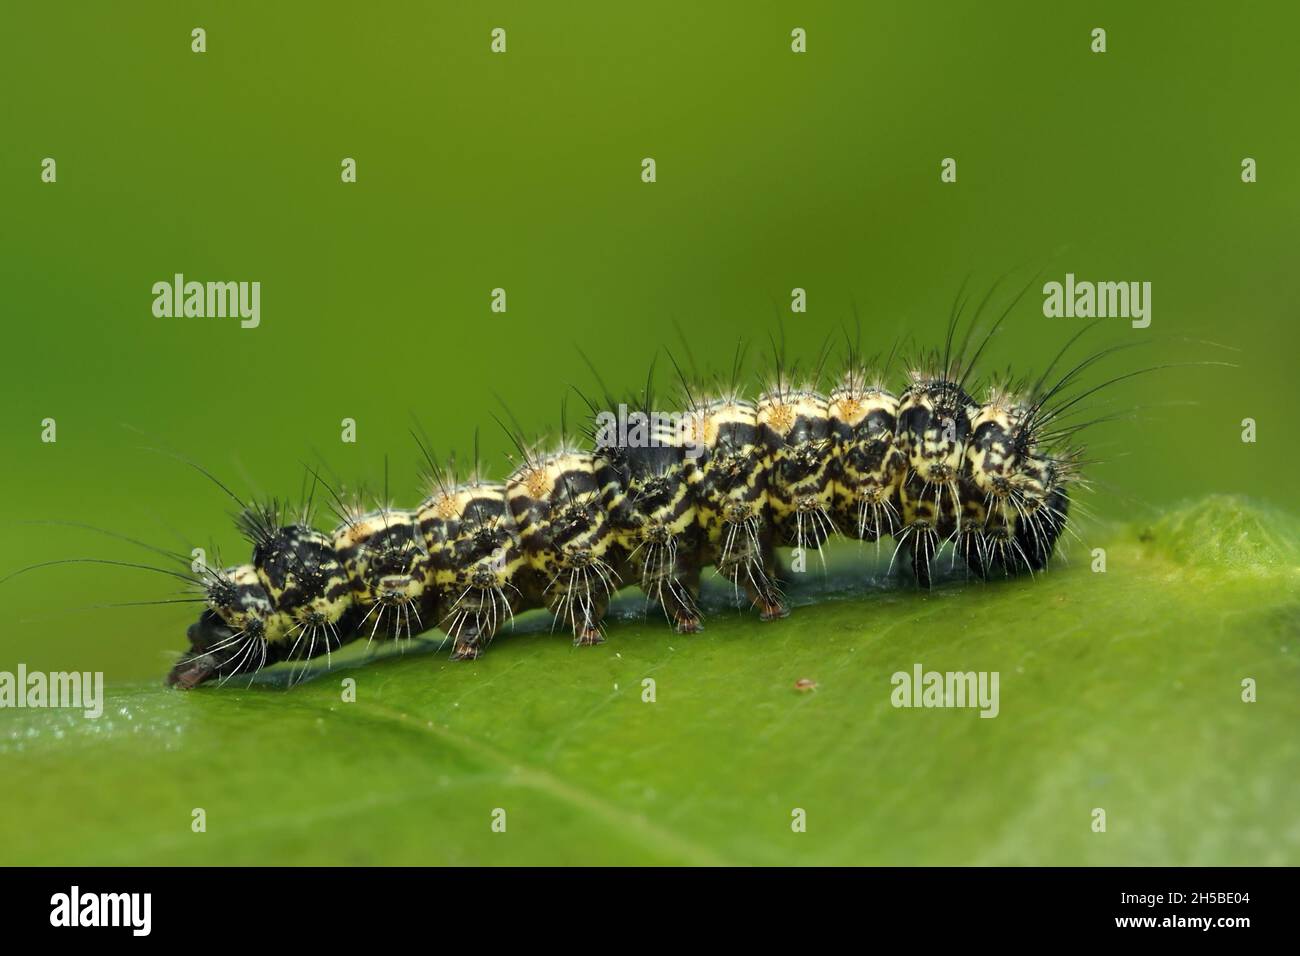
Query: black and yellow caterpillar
[[723, 482]]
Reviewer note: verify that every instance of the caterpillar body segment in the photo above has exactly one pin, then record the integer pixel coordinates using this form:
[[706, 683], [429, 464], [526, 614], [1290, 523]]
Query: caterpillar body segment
[[478, 565], [934, 424], [996, 450], [1019, 493], [557, 504], [385, 559], [730, 480], [305, 578], [796, 427], [869, 468], [647, 492], [238, 596]]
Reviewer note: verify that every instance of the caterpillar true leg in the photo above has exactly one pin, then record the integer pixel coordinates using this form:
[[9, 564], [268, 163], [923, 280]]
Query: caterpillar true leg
[[680, 595]]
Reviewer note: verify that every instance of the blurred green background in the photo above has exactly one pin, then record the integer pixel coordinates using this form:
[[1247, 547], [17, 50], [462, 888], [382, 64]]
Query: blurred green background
[[522, 171]]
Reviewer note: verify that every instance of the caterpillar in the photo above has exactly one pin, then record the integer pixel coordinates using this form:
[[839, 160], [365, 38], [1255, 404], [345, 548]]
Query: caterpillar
[[651, 500]]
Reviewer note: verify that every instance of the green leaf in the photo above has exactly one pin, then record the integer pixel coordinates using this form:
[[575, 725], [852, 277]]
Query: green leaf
[[1119, 690]]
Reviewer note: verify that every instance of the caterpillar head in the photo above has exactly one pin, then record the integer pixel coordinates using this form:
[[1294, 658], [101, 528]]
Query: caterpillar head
[[211, 643], [933, 426]]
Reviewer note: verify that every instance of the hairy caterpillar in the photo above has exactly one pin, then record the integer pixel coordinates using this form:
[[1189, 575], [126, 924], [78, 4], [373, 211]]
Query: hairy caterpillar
[[723, 483], [652, 504]]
